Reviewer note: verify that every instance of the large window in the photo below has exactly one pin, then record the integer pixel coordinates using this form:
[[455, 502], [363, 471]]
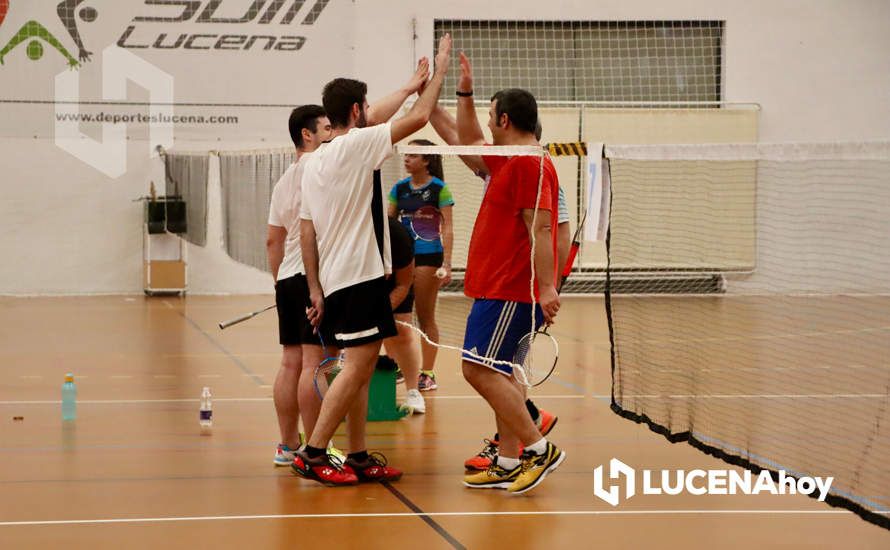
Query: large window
[[634, 61]]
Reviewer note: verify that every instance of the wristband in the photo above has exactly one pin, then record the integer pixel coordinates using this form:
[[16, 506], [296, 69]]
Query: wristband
[[464, 94]]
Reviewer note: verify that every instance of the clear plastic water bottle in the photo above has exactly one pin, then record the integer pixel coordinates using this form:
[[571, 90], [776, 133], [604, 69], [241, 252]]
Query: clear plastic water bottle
[[206, 412], [69, 398]]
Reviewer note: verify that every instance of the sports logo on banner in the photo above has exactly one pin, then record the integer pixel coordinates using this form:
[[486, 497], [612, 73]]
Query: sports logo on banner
[[36, 38], [181, 25], [69, 66], [193, 25]]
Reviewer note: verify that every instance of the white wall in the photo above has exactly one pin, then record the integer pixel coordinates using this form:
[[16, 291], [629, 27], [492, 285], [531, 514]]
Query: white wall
[[819, 68], [69, 228]]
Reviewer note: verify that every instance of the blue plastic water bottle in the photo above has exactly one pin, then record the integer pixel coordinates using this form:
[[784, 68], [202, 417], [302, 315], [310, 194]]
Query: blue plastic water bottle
[[69, 398]]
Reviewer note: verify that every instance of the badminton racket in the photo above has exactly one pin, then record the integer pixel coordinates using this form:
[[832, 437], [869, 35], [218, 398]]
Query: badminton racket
[[537, 353], [426, 223], [326, 370], [226, 324]]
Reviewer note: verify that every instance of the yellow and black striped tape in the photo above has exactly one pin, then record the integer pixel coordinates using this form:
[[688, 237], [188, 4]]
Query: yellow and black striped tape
[[576, 149]]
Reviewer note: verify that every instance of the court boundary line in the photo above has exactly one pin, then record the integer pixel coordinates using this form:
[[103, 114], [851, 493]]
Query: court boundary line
[[475, 397], [244, 368], [434, 525], [678, 512], [244, 400]]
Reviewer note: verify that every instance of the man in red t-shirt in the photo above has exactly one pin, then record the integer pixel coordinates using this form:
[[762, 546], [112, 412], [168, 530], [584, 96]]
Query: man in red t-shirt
[[499, 278]]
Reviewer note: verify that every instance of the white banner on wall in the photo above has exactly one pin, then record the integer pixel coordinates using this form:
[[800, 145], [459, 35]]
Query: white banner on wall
[[90, 88], [236, 65]]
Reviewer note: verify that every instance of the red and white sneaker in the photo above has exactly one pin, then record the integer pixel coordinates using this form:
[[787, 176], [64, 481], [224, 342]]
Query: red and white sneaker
[[324, 469], [373, 469], [485, 458]]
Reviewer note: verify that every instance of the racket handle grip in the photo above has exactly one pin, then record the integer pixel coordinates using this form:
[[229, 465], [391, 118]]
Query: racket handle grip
[[567, 269], [227, 324]]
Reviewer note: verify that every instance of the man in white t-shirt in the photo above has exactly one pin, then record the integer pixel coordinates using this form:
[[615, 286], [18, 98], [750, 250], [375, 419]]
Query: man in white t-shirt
[[309, 127], [346, 250]]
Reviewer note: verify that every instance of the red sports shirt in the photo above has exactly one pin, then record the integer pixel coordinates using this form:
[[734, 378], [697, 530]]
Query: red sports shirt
[[499, 263]]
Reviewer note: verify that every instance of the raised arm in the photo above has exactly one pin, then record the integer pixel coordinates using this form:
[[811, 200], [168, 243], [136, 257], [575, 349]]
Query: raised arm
[[468, 130], [446, 126], [383, 109], [420, 113]]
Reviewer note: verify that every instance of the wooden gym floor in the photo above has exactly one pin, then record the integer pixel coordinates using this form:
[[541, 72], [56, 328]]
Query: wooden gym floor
[[133, 469]]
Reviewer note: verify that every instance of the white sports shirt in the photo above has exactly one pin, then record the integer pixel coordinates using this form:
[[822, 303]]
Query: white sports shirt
[[284, 211], [338, 188]]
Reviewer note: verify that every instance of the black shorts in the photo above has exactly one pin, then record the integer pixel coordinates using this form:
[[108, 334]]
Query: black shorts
[[429, 260], [407, 305], [359, 314], [292, 299]]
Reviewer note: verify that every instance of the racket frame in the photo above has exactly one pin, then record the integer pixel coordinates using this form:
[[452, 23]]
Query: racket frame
[[524, 378], [328, 366], [226, 324], [438, 216]]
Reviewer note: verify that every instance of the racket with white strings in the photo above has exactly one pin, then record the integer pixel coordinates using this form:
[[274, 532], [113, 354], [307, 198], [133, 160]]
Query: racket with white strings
[[536, 356], [326, 370], [538, 352], [426, 223]]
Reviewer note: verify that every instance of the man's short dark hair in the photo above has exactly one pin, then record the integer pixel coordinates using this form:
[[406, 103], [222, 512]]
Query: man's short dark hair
[[304, 117], [339, 96], [520, 107]]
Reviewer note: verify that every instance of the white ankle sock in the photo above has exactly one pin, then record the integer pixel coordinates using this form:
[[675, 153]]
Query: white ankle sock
[[539, 447], [507, 463]]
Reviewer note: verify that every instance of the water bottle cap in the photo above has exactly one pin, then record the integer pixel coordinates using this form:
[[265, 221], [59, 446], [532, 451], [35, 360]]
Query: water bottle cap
[[69, 377]]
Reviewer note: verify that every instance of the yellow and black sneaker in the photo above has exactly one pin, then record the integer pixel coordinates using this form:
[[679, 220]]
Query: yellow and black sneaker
[[534, 468], [495, 477]]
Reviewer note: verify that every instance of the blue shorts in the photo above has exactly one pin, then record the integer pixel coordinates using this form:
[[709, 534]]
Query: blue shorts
[[494, 328]]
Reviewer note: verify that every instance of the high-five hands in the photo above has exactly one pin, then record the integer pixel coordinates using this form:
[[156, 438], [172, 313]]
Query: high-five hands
[[465, 84], [443, 54], [419, 78]]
